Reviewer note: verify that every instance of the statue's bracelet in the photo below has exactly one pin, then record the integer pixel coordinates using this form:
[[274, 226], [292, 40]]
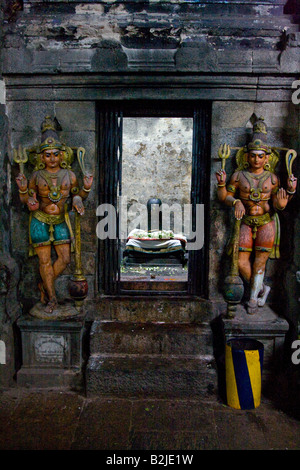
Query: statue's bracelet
[[23, 192], [235, 201], [221, 185], [86, 190], [290, 192]]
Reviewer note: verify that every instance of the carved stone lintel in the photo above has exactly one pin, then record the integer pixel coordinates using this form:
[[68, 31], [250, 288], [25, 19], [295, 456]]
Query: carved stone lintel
[[150, 58]]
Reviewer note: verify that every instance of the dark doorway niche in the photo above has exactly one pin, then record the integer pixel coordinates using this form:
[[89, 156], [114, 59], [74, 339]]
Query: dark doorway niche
[[140, 146]]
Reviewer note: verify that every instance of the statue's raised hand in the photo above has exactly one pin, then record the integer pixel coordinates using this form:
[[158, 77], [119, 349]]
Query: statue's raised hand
[[282, 198], [221, 176], [21, 181]]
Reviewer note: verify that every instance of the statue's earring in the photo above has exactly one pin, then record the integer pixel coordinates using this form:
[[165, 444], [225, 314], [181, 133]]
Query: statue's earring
[[63, 163], [41, 166], [267, 166], [246, 165]]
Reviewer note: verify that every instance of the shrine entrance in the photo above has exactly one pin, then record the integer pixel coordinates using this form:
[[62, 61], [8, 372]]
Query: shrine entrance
[[153, 205]]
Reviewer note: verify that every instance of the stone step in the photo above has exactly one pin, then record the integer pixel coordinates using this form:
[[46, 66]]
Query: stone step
[[150, 375], [107, 337], [150, 309]]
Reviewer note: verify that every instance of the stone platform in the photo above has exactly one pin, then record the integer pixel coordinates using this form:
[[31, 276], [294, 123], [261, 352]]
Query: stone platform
[[131, 359], [144, 346], [151, 346], [265, 326], [51, 352]]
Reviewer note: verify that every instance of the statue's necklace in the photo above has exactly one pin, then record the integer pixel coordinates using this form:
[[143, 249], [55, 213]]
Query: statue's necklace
[[54, 194], [255, 193]]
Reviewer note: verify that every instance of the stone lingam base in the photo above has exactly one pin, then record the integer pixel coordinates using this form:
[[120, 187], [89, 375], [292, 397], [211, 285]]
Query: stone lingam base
[[52, 347]]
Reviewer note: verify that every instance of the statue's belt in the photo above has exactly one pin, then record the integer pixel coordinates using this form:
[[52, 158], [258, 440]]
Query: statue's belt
[[49, 219], [256, 221]]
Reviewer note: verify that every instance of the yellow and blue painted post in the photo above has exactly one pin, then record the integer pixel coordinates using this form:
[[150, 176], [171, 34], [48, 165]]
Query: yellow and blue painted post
[[243, 367]]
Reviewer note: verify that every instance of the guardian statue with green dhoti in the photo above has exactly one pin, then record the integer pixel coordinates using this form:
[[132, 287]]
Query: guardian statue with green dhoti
[[46, 195], [255, 193]]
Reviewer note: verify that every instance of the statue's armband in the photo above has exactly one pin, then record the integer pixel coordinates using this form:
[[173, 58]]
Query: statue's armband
[[75, 190], [231, 188]]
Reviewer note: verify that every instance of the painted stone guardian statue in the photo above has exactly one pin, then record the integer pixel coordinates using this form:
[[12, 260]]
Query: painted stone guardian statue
[[255, 194], [46, 195]]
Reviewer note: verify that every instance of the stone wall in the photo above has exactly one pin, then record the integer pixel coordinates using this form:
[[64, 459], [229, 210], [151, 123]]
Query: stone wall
[[156, 162], [87, 36]]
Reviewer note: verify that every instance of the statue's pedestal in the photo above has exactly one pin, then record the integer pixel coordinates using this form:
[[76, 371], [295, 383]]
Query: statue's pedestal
[[51, 352], [265, 326]]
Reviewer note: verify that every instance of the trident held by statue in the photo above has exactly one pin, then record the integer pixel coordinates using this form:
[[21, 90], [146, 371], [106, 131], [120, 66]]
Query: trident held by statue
[[224, 153], [20, 157]]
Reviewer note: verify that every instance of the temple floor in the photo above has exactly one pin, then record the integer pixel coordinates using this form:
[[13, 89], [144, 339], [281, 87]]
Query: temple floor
[[58, 420]]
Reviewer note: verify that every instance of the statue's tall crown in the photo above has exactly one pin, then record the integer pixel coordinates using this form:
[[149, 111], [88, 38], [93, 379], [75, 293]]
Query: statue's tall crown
[[49, 138], [259, 137]]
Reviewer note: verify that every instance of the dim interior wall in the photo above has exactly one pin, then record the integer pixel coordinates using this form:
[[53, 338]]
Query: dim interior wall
[[231, 125], [156, 163]]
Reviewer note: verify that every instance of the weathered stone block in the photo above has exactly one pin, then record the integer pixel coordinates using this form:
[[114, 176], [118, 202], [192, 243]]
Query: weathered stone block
[[75, 60], [76, 117], [266, 326], [278, 115], [52, 352], [231, 114], [237, 60], [106, 59], [109, 337], [289, 60], [148, 309], [17, 60], [147, 58], [29, 115], [265, 61], [198, 56], [153, 376]]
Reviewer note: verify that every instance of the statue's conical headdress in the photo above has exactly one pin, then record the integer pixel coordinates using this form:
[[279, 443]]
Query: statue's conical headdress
[[259, 137], [49, 138]]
